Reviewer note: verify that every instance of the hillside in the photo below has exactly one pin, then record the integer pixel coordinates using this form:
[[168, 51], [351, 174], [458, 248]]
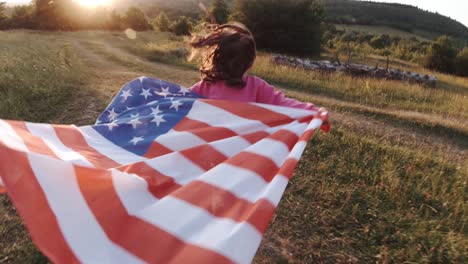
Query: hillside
[[403, 17]]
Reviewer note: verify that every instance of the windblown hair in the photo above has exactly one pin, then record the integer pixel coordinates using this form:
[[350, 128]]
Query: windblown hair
[[228, 51]]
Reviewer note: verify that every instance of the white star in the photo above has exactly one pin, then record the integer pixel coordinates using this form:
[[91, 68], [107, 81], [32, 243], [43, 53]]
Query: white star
[[112, 125], [156, 111], [112, 114], [126, 95], [176, 104], [135, 121], [142, 78], [165, 92], [146, 93], [184, 90], [130, 108], [158, 120], [135, 140]]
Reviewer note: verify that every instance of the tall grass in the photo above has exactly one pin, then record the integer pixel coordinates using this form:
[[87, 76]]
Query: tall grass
[[356, 198], [37, 76]]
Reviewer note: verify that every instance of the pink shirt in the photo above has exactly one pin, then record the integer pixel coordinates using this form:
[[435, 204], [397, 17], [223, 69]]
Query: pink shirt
[[256, 90]]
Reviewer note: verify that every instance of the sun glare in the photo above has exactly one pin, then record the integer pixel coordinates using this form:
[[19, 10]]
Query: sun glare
[[93, 3]]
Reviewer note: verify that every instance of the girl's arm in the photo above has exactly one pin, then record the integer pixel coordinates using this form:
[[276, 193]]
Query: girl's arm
[[267, 94]]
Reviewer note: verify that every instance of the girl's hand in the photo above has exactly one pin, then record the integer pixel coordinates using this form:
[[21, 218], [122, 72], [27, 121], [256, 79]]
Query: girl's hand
[[324, 114]]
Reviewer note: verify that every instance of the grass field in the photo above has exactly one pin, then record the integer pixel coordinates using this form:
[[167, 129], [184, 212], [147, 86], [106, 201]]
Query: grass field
[[387, 185]]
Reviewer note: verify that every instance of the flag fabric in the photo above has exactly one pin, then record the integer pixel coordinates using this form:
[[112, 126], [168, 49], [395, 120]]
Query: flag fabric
[[164, 176]]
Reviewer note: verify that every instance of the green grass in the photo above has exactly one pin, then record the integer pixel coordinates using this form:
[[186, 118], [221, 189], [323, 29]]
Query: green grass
[[356, 196], [376, 30], [37, 76]]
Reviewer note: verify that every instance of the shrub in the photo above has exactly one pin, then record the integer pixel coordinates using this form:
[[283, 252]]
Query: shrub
[[441, 55], [181, 26], [461, 62], [162, 22], [136, 19]]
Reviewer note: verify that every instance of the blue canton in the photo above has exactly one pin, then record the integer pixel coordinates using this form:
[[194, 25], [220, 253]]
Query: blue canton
[[143, 110]]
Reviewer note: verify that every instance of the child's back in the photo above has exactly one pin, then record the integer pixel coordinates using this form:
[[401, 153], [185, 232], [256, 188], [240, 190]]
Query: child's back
[[229, 51]]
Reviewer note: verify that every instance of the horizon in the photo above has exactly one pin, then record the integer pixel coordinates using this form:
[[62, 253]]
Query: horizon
[[453, 9]]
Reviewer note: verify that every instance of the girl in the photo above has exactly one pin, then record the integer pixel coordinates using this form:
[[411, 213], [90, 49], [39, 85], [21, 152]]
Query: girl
[[229, 51]]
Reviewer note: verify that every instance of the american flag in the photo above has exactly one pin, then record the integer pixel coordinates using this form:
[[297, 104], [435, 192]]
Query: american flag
[[164, 176]]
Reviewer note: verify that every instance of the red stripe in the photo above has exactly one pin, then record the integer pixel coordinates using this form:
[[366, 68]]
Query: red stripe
[[288, 167], [31, 202], [204, 130], [263, 166], [156, 150], [252, 112], [205, 156], [33, 143], [159, 184], [72, 138], [256, 136], [132, 233], [222, 203], [285, 136]]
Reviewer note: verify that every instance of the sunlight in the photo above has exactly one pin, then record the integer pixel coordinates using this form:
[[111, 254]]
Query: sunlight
[[93, 3]]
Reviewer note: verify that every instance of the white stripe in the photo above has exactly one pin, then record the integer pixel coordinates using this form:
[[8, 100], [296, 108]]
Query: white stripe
[[1, 182], [298, 149], [237, 241], [275, 189], [176, 166], [315, 124], [230, 146], [271, 149], [179, 140], [108, 148], [295, 113], [218, 117], [77, 223], [9, 137], [47, 134]]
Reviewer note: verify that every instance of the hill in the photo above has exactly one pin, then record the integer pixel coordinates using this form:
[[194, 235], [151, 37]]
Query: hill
[[403, 17]]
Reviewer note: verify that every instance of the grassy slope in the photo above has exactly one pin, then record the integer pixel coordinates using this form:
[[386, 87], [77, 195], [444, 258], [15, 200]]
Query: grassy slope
[[357, 195]]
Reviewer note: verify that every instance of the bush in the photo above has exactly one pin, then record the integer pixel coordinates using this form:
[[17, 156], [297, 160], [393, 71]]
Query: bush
[[461, 62], [136, 19], [181, 26], [23, 17], [381, 41], [441, 55], [220, 11], [162, 22], [284, 26]]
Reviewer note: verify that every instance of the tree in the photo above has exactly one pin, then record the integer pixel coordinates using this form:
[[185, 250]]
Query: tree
[[441, 55], [23, 17], [162, 22], [219, 10], [387, 54], [381, 41], [136, 19], [181, 26], [283, 26], [461, 62], [3, 16], [116, 21]]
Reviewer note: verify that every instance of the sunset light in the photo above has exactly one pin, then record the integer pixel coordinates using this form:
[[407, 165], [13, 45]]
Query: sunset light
[[93, 3]]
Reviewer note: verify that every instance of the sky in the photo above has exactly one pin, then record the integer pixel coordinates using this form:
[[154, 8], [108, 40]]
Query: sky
[[456, 9]]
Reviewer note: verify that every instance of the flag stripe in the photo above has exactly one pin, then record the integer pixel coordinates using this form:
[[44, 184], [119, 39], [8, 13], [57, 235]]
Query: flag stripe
[[73, 139], [132, 232], [221, 203], [33, 143], [10, 138], [47, 133], [28, 196], [197, 227], [261, 165], [252, 112], [203, 130]]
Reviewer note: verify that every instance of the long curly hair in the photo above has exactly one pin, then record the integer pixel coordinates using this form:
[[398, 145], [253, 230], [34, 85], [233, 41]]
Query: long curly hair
[[228, 51]]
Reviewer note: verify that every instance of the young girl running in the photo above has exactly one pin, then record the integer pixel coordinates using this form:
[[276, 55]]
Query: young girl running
[[229, 51]]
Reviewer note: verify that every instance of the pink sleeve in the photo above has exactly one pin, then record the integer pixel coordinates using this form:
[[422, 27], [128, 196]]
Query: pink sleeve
[[196, 88], [267, 94]]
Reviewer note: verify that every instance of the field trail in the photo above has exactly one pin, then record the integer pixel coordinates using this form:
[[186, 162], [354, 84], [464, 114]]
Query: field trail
[[110, 67]]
